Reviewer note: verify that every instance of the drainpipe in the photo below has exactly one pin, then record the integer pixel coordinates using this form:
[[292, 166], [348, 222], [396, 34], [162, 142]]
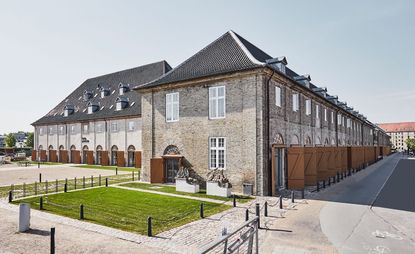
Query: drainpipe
[[268, 154]]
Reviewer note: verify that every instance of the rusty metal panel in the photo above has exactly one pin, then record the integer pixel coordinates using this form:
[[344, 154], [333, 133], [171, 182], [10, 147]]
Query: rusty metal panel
[[104, 158], [53, 156], [295, 165], [90, 157], [157, 170], [63, 156], [138, 159], [76, 156], [34, 155], [43, 156], [120, 159], [310, 164]]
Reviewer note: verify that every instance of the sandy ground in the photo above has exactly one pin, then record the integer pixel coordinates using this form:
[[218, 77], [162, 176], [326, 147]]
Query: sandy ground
[[19, 175], [68, 239]]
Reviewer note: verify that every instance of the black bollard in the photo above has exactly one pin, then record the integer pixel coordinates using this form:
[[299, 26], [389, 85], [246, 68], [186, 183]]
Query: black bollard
[[292, 197], [92, 181], [56, 185], [116, 171], [10, 196], [266, 209], [338, 177], [38, 165], [81, 212], [149, 231], [65, 188], [24, 189], [280, 202], [106, 182], [46, 186], [83, 183], [99, 180], [324, 184], [201, 211], [257, 213], [40, 177], [302, 194], [41, 203], [132, 174], [329, 181], [75, 183], [234, 201], [246, 215], [52, 241], [318, 186], [66, 181]]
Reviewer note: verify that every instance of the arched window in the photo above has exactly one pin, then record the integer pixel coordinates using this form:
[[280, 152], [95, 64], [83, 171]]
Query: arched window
[[295, 140], [99, 155], [318, 140], [114, 155], [50, 147], [40, 147], [73, 147], [326, 142], [61, 147], [131, 156], [308, 141], [278, 139], [171, 149]]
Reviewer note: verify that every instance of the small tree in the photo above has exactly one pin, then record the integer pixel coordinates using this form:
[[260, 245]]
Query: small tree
[[10, 140], [410, 143], [29, 140]]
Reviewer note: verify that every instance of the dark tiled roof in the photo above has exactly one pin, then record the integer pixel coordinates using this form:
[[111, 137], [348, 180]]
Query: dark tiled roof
[[138, 75], [229, 53]]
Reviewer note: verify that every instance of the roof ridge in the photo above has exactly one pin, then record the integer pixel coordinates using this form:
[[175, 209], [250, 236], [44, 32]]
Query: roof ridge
[[244, 49]]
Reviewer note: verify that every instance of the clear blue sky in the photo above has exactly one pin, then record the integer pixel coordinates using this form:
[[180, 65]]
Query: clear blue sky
[[362, 51]]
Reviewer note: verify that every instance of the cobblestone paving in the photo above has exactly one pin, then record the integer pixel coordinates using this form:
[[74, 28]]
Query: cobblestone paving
[[190, 237]]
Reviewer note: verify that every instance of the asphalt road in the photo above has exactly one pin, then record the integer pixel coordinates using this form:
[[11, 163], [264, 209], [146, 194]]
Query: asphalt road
[[399, 191], [351, 223]]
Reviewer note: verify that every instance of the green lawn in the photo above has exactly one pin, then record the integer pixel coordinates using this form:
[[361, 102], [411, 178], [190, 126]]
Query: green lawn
[[129, 169], [126, 209], [30, 189], [172, 189]]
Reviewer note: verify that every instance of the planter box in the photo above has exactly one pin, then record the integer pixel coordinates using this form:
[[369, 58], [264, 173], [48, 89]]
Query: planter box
[[182, 185], [248, 189], [212, 188]]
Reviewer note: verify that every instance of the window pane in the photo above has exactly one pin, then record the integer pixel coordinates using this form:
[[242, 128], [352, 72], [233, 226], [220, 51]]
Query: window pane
[[221, 142], [221, 107], [278, 96], [175, 111], [221, 159], [212, 92], [213, 159], [213, 142], [212, 108], [221, 91]]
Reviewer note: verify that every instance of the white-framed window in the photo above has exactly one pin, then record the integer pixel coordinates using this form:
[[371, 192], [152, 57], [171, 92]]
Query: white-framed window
[[85, 128], [317, 111], [308, 107], [73, 129], [99, 127], [344, 121], [339, 119], [131, 126], [217, 152], [172, 107], [51, 130], [41, 131], [114, 127], [217, 103], [118, 106], [296, 102], [278, 96], [61, 130], [325, 114], [332, 117]]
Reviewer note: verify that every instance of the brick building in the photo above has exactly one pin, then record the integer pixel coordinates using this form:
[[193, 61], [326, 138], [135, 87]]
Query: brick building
[[232, 106]]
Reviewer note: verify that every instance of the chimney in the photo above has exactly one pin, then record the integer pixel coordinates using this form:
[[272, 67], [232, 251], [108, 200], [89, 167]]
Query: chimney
[[279, 63]]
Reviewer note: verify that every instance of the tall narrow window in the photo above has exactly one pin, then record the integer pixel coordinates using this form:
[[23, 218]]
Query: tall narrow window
[[131, 126], [339, 119], [61, 130], [217, 102], [85, 129], [72, 129], [172, 107], [114, 127], [325, 114], [317, 111], [278, 96], [296, 102], [332, 117], [217, 153], [308, 107], [99, 128]]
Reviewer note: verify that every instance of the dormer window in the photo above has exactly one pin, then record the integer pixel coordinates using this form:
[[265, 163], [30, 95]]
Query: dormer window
[[123, 88], [68, 110], [104, 91], [121, 103], [92, 107], [279, 63], [87, 95], [303, 79]]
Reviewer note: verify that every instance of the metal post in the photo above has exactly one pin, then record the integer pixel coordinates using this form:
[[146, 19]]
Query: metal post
[[40, 177], [52, 241], [106, 182], [234, 201], [266, 209], [324, 184], [318, 186], [116, 170], [56, 185], [292, 197], [81, 212], [257, 213], [92, 181], [338, 177], [38, 165], [201, 211], [75, 182], [246, 215], [46, 183], [65, 188], [132, 174], [99, 180], [35, 188], [149, 231], [280, 202], [83, 183], [329, 181], [41, 203], [302, 194], [10, 196], [24, 189]]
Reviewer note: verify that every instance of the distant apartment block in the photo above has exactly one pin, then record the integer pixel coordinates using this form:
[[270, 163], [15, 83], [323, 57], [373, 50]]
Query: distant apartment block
[[399, 132]]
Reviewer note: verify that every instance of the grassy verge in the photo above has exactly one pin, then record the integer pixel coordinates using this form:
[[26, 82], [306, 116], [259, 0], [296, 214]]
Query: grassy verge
[[129, 169], [45, 187], [126, 209], [172, 189]]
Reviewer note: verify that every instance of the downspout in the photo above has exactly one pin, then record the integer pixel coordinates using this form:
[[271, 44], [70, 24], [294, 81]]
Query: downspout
[[268, 153]]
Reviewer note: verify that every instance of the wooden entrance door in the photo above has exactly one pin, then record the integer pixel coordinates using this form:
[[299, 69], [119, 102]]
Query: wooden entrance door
[[171, 166]]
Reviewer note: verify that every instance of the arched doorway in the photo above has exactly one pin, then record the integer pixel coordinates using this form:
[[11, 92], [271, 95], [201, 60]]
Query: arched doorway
[[114, 155], [73, 153], [279, 169], [51, 154], [85, 154], [172, 162], [99, 155], [131, 156], [61, 149]]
